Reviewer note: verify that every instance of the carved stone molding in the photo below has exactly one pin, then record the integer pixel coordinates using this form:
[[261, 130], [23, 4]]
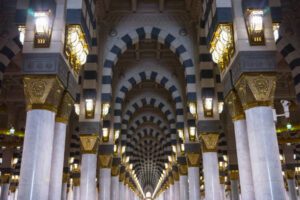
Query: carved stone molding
[[193, 159], [89, 144], [183, 170], [42, 92], [105, 160], [235, 106], [65, 108], [209, 142], [256, 89]]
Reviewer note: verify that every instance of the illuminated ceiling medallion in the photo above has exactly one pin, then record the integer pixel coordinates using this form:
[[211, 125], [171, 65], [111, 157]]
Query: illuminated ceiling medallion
[[222, 45], [76, 47]]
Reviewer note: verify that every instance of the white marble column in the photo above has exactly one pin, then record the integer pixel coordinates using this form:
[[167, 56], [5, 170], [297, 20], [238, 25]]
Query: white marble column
[[105, 183], [184, 192], [244, 163], [4, 191], [127, 193], [194, 186], [115, 188], [177, 190], [88, 177], [292, 189], [57, 163], [76, 193], [64, 191], [264, 153], [211, 176], [234, 185], [222, 192], [122, 190], [36, 158]]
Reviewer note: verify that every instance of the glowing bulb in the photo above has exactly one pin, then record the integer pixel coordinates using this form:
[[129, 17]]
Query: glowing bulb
[[220, 107], [289, 126], [208, 103], [77, 108], [256, 20], [174, 148], [193, 109], [105, 132], [41, 22], [89, 105], [192, 131], [180, 134], [105, 109], [182, 147], [117, 134]]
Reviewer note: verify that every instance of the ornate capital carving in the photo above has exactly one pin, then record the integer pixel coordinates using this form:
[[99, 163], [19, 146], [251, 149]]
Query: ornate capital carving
[[122, 176], [5, 178], [89, 144], [183, 170], [105, 160], [42, 92], [175, 175], [235, 106], [65, 177], [256, 89], [234, 174], [222, 179], [193, 159], [65, 108], [209, 142], [115, 170], [76, 182], [290, 174]]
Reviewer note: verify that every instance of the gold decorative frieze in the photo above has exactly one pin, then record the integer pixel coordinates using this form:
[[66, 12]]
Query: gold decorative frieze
[[105, 160], [42, 92], [235, 106], [89, 144], [256, 89], [209, 142], [65, 108], [183, 170], [193, 159]]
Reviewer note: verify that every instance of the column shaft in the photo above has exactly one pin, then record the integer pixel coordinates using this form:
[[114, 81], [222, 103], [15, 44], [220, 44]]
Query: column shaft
[[115, 188], [88, 177], [105, 183], [177, 190], [234, 189], [194, 186], [122, 191], [76, 193], [64, 191], [184, 193], [244, 162], [4, 191], [264, 153], [211, 175], [36, 158], [292, 189], [57, 161]]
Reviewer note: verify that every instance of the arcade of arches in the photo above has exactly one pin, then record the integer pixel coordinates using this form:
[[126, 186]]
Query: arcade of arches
[[149, 100]]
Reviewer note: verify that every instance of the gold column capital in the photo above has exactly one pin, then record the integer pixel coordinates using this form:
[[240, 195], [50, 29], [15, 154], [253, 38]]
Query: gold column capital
[[234, 174], [65, 108], [256, 89], [13, 188], [115, 170], [193, 159], [175, 175], [183, 170], [222, 179], [290, 174], [5, 178], [76, 182], [235, 106], [171, 180], [209, 142], [122, 177], [65, 177], [42, 92], [89, 144], [105, 160]]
